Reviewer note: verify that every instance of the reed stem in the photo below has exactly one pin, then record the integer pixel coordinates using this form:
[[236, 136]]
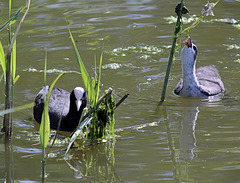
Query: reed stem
[[177, 30], [7, 120]]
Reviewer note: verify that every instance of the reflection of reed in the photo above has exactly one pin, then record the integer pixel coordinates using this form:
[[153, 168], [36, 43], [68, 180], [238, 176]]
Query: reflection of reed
[[95, 163], [8, 159]]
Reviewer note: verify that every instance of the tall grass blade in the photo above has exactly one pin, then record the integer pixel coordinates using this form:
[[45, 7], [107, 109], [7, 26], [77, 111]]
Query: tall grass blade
[[2, 59], [45, 122], [85, 76]]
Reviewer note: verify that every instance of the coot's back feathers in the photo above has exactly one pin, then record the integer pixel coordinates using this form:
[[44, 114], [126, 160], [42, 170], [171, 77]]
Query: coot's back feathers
[[62, 107], [209, 80]]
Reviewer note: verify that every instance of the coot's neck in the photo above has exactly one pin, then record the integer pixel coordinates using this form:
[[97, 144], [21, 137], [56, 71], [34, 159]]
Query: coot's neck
[[188, 69], [72, 119]]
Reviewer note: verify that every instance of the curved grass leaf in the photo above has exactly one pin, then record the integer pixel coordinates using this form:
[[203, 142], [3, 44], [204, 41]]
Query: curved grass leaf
[[11, 20], [16, 79]]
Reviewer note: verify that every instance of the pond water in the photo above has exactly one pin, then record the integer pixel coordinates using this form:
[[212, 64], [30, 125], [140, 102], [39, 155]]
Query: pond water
[[185, 140]]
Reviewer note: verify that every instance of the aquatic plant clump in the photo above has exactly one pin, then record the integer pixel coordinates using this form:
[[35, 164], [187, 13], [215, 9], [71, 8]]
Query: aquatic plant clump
[[102, 124]]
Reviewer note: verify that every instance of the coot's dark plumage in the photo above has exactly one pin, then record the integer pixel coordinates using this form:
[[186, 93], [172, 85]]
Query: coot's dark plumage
[[202, 82], [63, 106]]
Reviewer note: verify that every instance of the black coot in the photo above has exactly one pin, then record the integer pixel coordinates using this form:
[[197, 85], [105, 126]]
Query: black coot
[[202, 82], [63, 106]]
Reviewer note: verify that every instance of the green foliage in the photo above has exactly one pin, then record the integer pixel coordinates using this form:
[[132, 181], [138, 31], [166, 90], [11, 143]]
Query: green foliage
[[12, 63], [102, 124], [2, 59]]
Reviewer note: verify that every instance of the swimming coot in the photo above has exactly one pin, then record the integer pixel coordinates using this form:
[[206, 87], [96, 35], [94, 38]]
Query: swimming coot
[[63, 106], [202, 82]]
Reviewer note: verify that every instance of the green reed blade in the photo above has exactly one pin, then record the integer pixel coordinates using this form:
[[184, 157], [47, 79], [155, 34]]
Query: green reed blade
[[45, 122], [85, 76], [99, 77], [2, 59], [13, 61]]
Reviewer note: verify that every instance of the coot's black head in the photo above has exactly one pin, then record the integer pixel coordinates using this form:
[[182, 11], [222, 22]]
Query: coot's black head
[[78, 99]]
